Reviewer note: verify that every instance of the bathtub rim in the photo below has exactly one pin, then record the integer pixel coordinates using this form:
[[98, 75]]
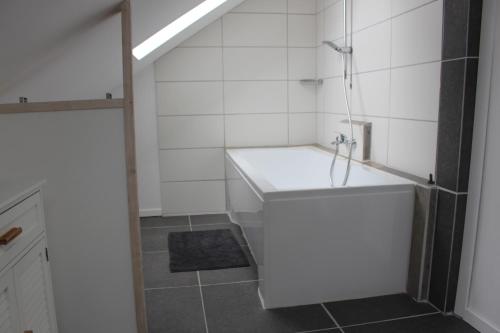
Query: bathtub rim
[[266, 191]]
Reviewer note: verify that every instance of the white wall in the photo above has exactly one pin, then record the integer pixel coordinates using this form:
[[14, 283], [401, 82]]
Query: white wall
[[234, 84], [148, 172], [82, 157], [396, 77]]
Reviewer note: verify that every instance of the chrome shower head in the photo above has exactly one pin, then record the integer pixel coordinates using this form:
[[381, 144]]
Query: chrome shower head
[[340, 49]]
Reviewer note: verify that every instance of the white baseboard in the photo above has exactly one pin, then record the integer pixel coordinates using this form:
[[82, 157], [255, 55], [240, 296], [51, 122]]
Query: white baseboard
[[150, 212]]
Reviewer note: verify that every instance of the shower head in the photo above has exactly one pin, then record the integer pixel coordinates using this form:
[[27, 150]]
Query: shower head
[[340, 49]]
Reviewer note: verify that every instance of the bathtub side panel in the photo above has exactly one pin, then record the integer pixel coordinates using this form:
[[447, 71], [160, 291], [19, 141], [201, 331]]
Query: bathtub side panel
[[246, 209], [337, 247]]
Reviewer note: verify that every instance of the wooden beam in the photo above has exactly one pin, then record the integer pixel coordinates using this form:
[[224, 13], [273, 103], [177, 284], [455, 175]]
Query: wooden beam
[[132, 188], [95, 104]]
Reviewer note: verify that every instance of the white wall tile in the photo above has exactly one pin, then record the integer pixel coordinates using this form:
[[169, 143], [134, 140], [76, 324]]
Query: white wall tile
[[415, 91], [191, 132], [400, 6], [189, 98], [302, 6], [412, 146], [302, 97], [332, 128], [417, 35], [334, 98], [255, 97], [255, 30], [209, 36], [370, 93], [301, 63], [372, 48], [369, 12], [334, 20], [329, 62], [301, 30], [256, 130], [193, 197], [192, 164], [302, 128], [320, 129], [190, 64], [262, 6], [320, 28], [255, 63]]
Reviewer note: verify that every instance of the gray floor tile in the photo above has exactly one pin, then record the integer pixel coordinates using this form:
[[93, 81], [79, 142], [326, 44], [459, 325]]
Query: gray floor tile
[[175, 310], [157, 239], [426, 324], [233, 227], [366, 310], [159, 221], [157, 272], [210, 219], [231, 274], [236, 308]]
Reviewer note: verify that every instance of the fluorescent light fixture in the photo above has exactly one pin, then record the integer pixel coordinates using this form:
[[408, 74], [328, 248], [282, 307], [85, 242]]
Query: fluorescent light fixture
[[167, 33]]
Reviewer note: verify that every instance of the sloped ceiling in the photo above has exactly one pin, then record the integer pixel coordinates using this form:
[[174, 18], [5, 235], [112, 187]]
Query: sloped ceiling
[[69, 49]]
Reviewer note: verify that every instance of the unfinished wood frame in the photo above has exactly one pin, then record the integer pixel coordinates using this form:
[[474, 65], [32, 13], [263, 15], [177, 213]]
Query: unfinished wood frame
[[127, 103]]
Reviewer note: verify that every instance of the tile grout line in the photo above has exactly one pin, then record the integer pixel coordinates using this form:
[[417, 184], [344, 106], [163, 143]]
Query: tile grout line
[[202, 302], [393, 319], [184, 226], [204, 285], [332, 318]]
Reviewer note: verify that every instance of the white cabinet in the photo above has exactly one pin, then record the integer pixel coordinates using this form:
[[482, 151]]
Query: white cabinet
[[26, 299], [9, 322]]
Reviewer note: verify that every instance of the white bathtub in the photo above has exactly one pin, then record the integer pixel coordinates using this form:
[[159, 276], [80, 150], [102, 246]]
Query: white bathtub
[[314, 243]]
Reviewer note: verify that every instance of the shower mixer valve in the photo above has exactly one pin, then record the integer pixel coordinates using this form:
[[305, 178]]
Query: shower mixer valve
[[342, 139]]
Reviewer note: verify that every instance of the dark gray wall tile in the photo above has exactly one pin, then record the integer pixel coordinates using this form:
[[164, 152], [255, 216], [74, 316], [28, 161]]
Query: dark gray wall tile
[[450, 122], [430, 242], [475, 14], [442, 248], [458, 236], [467, 124], [455, 28]]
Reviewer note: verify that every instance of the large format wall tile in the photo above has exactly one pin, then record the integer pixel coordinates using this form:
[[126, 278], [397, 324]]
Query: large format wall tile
[[414, 42], [301, 30], [262, 6], [191, 132], [415, 91], [370, 93], [302, 128], [255, 30], [176, 98], [256, 130], [369, 12], [412, 146], [301, 6], [210, 36], [372, 48], [192, 164], [255, 97], [255, 63], [190, 64]]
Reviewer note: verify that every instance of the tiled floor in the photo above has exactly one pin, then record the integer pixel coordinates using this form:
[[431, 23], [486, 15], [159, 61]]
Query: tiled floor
[[227, 301]]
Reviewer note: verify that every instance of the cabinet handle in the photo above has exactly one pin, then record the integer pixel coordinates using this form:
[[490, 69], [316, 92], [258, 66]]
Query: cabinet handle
[[10, 235]]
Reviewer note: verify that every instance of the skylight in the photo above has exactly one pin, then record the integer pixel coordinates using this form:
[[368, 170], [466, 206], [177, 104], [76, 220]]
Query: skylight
[[174, 28]]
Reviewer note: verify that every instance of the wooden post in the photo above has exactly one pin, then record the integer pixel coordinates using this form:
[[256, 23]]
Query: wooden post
[[132, 189]]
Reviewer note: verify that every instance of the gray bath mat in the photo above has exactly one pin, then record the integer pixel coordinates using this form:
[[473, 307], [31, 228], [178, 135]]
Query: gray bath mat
[[204, 250]]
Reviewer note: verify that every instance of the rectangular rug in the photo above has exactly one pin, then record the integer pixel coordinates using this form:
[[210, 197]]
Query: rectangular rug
[[205, 250]]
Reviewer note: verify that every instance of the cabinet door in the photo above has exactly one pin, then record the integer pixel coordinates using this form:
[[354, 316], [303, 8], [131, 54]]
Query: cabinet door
[[34, 291], [9, 322]]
